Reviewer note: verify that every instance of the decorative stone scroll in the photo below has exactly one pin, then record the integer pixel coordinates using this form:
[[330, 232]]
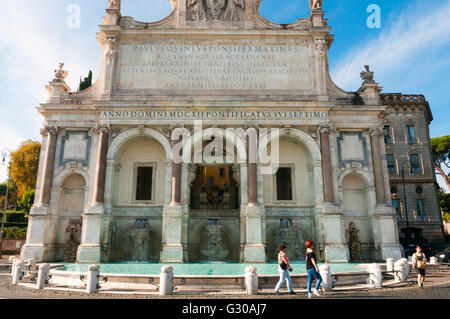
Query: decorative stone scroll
[[315, 4], [215, 10], [52, 130]]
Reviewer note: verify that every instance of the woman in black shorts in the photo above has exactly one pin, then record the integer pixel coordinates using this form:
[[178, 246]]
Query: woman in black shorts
[[419, 263]]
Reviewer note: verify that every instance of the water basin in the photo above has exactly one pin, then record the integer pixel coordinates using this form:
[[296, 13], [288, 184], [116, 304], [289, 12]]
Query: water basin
[[209, 269]]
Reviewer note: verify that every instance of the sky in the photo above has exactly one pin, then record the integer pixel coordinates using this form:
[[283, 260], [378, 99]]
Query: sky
[[409, 53]]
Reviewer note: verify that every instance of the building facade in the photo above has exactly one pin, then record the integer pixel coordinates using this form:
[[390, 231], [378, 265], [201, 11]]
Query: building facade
[[272, 151]]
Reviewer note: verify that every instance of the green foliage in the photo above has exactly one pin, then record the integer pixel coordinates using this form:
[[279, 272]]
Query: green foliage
[[27, 201], [15, 233], [24, 166], [444, 199], [15, 219], [441, 146], [12, 195], [86, 83]]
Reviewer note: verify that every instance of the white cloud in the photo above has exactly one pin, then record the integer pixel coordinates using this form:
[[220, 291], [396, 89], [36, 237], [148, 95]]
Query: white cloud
[[419, 27]]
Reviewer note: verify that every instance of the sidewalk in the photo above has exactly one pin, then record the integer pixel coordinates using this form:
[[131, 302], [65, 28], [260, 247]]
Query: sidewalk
[[437, 286]]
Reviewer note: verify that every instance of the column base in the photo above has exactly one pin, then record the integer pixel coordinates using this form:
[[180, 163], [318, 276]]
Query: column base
[[172, 253], [254, 253], [33, 251], [336, 253], [88, 254], [393, 251]]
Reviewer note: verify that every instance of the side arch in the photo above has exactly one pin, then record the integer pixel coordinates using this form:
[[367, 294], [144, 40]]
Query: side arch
[[128, 135]]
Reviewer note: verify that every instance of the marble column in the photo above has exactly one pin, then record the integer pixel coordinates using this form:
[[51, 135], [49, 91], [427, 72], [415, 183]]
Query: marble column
[[100, 173], [46, 185], [172, 246], [90, 248], [384, 219], [35, 246], [326, 164], [254, 250], [252, 169], [375, 139]]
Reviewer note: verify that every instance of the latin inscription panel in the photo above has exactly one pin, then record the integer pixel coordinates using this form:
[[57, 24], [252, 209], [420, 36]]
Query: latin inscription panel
[[215, 67]]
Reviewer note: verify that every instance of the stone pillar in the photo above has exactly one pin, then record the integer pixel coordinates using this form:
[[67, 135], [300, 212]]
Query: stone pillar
[[326, 164], [42, 276], [172, 250], [327, 283], [18, 271], [92, 279], [89, 250], [35, 246], [100, 172], [251, 280], [47, 176], [166, 281], [254, 250], [375, 275], [390, 264], [378, 171]]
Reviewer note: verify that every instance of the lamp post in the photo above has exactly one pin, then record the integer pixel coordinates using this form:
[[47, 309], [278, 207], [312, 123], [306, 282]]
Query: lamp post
[[5, 154], [406, 204]]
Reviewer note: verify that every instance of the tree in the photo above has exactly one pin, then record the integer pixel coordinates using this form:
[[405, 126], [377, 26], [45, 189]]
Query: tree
[[12, 196], [24, 167], [441, 156], [86, 83], [27, 201], [445, 204]]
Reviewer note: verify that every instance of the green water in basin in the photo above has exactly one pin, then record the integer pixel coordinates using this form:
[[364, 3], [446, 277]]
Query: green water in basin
[[214, 269]]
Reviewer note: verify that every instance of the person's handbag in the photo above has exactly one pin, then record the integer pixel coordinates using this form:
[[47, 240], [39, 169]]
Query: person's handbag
[[283, 265], [421, 264]]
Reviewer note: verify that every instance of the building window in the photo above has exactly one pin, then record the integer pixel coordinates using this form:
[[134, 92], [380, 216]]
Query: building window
[[221, 172], [387, 134], [398, 211], [144, 183], [391, 163], [213, 221], [411, 134], [284, 183], [414, 162], [421, 212]]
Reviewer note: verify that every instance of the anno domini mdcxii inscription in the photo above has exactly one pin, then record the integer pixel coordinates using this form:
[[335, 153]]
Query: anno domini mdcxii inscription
[[220, 67]]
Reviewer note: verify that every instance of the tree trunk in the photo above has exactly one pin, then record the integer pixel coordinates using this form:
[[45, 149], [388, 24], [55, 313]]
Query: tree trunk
[[445, 177]]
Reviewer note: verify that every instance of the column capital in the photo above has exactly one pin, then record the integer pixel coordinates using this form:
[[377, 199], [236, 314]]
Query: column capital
[[101, 128], [376, 131], [52, 130], [327, 128]]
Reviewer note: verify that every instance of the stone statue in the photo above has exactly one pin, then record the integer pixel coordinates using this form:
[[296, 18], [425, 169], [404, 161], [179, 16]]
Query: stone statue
[[197, 10], [231, 13], [60, 74], [289, 236], [73, 241], [354, 245], [214, 246], [114, 4], [111, 48], [367, 75], [315, 4], [226, 10]]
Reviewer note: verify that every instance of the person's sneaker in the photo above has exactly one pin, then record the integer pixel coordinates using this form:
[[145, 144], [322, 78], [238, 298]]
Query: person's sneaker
[[276, 293], [309, 295], [292, 292], [316, 293]]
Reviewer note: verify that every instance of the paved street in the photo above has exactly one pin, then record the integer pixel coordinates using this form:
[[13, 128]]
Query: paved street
[[437, 286]]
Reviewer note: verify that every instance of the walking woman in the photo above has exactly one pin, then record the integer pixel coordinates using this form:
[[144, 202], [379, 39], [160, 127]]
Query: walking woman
[[312, 269], [284, 268], [419, 263]]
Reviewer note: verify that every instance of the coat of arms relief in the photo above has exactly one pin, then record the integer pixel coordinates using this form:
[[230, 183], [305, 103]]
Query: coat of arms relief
[[215, 10]]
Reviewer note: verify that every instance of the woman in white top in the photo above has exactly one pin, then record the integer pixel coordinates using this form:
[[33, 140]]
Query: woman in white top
[[284, 268], [419, 263]]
